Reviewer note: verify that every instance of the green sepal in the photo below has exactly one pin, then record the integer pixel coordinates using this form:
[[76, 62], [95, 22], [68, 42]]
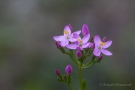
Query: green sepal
[[62, 50], [98, 61], [93, 57], [59, 79], [86, 50], [71, 51], [69, 79], [89, 53]]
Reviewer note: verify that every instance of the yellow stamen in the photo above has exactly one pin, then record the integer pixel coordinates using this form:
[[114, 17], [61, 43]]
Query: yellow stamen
[[66, 32], [79, 40], [102, 43]]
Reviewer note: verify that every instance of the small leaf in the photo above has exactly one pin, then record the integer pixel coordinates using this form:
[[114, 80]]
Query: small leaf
[[59, 79]]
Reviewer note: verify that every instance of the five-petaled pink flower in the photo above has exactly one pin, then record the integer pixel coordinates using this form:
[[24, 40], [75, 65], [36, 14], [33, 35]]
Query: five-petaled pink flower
[[81, 43], [100, 46], [67, 37]]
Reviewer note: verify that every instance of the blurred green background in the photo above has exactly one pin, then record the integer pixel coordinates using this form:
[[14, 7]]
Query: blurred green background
[[28, 55]]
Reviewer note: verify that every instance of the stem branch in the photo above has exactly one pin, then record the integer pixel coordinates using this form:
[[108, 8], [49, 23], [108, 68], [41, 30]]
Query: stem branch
[[70, 87]]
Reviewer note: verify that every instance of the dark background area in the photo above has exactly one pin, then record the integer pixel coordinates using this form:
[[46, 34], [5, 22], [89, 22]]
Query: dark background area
[[28, 55]]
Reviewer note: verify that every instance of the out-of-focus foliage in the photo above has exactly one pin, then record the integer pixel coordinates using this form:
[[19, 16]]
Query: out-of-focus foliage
[[28, 55]]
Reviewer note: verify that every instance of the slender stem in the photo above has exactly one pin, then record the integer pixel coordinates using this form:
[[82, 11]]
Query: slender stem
[[70, 87], [80, 77]]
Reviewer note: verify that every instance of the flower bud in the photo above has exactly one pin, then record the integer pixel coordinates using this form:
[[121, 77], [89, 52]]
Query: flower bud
[[100, 58], [68, 69], [92, 47], [85, 30], [57, 72], [70, 26], [104, 39], [78, 53], [58, 44]]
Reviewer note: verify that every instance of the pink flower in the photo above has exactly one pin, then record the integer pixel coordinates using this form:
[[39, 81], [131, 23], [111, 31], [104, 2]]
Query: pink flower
[[101, 46], [67, 37], [81, 43]]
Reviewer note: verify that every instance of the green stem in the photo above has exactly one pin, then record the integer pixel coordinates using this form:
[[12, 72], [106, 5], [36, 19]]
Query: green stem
[[80, 77], [70, 87]]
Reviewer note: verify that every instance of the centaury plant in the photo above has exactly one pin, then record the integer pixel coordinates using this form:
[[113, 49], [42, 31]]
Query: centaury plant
[[78, 50]]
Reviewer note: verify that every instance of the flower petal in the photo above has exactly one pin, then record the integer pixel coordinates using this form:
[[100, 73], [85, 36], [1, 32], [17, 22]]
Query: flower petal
[[72, 39], [75, 35], [79, 48], [85, 30], [59, 38], [77, 32], [97, 39], [106, 52], [85, 45], [64, 43], [86, 38], [96, 52], [67, 28], [72, 46], [107, 44]]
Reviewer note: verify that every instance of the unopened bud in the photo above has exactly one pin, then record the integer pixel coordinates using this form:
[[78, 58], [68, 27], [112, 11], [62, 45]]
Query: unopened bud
[[57, 72], [104, 39], [78, 53], [100, 58], [58, 44], [68, 69], [70, 26], [92, 47]]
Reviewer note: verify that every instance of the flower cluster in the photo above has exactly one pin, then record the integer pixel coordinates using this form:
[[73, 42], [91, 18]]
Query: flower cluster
[[79, 48], [73, 41]]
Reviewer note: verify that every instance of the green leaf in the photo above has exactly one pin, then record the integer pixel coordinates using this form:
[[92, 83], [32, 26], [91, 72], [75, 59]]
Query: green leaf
[[59, 79]]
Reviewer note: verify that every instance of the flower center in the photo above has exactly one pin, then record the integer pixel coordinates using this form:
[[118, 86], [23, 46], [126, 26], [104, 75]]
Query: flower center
[[102, 43], [99, 47], [80, 41], [66, 32], [67, 37]]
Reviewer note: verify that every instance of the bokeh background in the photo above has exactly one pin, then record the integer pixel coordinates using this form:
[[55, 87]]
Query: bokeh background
[[28, 55]]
